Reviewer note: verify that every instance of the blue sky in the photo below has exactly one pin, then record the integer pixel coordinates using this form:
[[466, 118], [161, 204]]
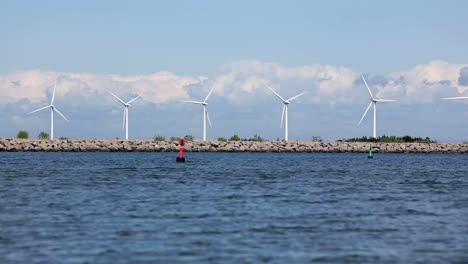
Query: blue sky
[[412, 51]]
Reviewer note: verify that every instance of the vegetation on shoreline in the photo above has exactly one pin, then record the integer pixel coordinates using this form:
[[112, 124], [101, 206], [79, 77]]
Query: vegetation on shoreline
[[316, 139], [43, 135], [256, 138], [188, 138], [23, 134], [159, 138], [390, 139]]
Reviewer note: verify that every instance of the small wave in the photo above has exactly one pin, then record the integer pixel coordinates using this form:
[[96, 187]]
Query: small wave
[[419, 212], [126, 232]]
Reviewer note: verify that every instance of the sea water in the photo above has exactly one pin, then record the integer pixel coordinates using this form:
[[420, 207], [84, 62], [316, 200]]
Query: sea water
[[233, 207]]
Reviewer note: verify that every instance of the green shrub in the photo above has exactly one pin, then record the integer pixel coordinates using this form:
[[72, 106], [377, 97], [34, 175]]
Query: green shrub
[[234, 138], [159, 138], [23, 134], [63, 138], [222, 139], [256, 138], [173, 138], [188, 138], [43, 135], [391, 139], [425, 140], [316, 139]]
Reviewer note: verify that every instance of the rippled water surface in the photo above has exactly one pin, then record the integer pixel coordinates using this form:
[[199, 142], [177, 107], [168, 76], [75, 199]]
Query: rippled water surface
[[233, 207]]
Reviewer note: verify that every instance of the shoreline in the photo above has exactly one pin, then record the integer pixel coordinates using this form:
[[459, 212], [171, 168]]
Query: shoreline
[[97, 145]]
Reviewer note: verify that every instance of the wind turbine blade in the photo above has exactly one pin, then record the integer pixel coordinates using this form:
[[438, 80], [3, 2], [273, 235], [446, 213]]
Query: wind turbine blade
[[58, 112], [208, 96], [131, 101], [53, 93], [116, 97], [455, 98], [385, 100], [279, 96], [193, 102], [365, 113], [368, 89], [294, 97], [282, 115], [45, 107], [208, 118]]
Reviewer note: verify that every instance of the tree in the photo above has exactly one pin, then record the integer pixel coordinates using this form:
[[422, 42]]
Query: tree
[[174, 138], [222, 139], [43, 135], [23, 134], [234, 138]]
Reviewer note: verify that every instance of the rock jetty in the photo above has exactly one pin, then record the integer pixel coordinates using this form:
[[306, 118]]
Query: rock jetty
[[88, 145]]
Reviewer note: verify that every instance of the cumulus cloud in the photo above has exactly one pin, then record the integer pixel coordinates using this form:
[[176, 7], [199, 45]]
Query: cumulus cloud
[[424, 83], [237, 81], [36, 86], [242, 82]]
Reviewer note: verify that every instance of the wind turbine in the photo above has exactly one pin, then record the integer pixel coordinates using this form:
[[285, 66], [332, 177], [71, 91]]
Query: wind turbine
[[206, 116], [374, 102], [284, 114], [125, 113], [52, 110]]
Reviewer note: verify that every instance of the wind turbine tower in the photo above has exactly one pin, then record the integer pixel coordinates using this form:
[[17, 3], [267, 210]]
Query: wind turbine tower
[[284, 114], [206, 116], [125, 113]]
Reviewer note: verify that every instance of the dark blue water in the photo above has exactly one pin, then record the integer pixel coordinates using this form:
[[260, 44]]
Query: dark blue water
[[227, 207]]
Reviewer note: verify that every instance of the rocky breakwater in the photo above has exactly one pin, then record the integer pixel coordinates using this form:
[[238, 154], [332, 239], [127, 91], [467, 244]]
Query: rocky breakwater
[[217, 146], [88, 145]]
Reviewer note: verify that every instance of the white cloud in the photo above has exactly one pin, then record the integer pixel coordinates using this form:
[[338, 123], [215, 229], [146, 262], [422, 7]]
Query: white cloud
[[240, 82], [426, 82], [25, 85], [36, 86]]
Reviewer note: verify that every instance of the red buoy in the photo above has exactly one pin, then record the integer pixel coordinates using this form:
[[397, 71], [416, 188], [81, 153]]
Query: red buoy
[[181, 151]]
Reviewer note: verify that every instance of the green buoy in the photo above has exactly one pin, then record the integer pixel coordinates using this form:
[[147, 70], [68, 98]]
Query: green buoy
[[369, 156]]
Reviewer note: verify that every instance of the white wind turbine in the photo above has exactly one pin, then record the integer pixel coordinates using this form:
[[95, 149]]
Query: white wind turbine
[[52, 110], [284, 114], [374, 102], [125, 113], [206, 116]]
